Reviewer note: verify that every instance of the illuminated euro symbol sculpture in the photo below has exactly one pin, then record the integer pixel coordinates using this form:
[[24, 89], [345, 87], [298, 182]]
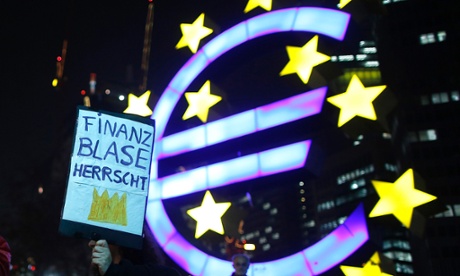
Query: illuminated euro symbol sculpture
[[313, 260]]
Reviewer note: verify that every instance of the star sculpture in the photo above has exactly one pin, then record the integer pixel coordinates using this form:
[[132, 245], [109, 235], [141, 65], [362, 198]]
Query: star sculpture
[[370, 268], [208, 215], [356, 101], [200, 102], [343, 3], [193, 33], [399, 198], [138, 105], [303, 59], [252, 4]]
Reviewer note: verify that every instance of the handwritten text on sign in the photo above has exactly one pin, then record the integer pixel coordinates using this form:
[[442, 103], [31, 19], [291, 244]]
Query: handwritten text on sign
[[109, 172]]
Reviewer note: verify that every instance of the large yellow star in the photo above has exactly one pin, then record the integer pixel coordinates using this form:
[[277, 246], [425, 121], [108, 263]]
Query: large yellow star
[[303, 59], [356, 101], [208, 215], [399, 198], [200, 102], [252, 4], [138, 105], [370, 268], [193, 33]]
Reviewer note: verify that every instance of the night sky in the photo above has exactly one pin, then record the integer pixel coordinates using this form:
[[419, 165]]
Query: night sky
[[104, 37]]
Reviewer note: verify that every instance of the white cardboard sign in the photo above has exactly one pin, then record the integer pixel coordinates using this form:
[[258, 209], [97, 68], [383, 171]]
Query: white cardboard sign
[[108, 179]]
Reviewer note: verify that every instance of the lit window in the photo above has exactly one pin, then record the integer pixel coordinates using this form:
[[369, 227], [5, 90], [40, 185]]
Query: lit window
[[390, 167], [386, 135], [454, 95], [310, 223], [373, 63], [404, 268], [444, 97], [341, 220], [427, 135], [387, 244], [441, 36], [361, 57], [448, 213], [435, 98], [457, 210], [398, 255], [427, 38], [369, 50], [346, 58]]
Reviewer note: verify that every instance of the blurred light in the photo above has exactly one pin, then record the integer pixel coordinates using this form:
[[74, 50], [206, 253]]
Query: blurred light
[[92, 83], [55, 82], [121, 97], [83, 92], [59, 58], [249, 246], [86, 101], [107, 91], [40, 190]]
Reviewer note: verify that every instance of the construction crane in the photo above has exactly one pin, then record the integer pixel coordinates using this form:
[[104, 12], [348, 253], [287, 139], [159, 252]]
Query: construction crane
[[147, 46]]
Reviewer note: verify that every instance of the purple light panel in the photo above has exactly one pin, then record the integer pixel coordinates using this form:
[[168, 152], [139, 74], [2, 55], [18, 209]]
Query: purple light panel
[[264, 117], [311, 261]]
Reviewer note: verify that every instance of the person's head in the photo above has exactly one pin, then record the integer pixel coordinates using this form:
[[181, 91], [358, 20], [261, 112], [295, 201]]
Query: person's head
[[240, 264], [5, 257]]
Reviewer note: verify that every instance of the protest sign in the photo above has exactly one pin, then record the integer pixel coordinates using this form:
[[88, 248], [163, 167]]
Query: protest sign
[[108, 180]]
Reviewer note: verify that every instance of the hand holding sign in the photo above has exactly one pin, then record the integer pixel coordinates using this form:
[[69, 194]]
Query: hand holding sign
[[101, 256]]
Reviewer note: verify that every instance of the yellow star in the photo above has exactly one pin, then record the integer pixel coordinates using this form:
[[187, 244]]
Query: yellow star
[[138, 105], [252, 4], [303, 59], [343, 3], [370, 268], [399, 198], [356, 101], [193, 33], [208, 215], [200, 102]]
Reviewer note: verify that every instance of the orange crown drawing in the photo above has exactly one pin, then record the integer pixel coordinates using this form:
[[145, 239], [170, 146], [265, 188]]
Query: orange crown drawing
[[110, 210]]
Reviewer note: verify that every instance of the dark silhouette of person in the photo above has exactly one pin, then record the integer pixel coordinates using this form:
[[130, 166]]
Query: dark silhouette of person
[[5, 257]]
